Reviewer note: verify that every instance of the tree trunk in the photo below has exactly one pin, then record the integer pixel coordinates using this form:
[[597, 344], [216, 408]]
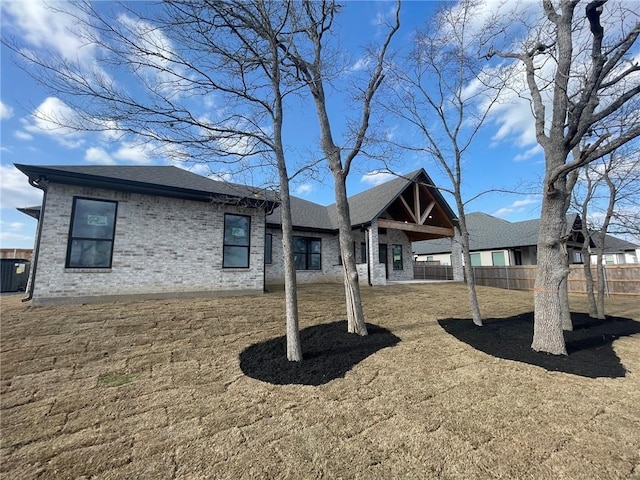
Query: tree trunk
[[600, 279], [468, 268], [588, 278], [457, 264], [548, 335], [565, 309], [294, 349], [353, 300]]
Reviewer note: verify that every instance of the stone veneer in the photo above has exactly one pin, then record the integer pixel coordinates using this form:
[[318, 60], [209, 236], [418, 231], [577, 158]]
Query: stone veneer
[[161, 245]]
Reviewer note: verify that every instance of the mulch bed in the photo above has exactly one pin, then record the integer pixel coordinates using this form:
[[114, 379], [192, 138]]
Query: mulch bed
[[328, 352], [589, 345]]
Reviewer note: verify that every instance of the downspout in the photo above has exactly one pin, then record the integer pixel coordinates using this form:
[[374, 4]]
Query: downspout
[[34, 260]]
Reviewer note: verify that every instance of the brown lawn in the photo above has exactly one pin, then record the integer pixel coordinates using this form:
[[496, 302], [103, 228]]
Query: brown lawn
[[155, 390]]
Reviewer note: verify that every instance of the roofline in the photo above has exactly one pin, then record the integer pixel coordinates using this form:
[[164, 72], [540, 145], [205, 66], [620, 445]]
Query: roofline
[[296, 228], [40, 174]]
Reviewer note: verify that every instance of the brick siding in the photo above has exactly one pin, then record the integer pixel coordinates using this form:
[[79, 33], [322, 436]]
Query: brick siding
[[161, 245]]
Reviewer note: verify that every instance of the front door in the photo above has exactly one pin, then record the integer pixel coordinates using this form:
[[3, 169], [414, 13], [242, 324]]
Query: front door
[[382, 258]]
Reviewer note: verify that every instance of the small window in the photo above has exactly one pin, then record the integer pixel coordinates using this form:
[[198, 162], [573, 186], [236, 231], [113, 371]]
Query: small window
[[363, 252], [268, 240], [578, 257], [476, 261], [93, 225], [396, 252], [498, 259], [307, 253], [235, 253], [609, 259]]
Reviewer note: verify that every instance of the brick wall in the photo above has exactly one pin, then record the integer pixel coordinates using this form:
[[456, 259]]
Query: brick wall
[[331, 268], [161, 245]]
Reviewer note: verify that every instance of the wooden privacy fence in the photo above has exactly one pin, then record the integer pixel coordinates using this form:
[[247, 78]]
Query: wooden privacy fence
[[619, 279]]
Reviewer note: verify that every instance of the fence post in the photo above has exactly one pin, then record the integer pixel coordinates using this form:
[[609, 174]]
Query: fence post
[[506, 269]]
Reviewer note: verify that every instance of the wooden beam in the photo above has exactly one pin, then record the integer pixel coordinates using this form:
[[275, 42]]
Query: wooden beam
[[427, 211], [416, 201], [406, 206], [412, 227]]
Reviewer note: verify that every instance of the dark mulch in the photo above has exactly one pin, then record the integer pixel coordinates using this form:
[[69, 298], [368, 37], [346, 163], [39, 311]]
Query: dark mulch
[[328, 352], [589, 345]]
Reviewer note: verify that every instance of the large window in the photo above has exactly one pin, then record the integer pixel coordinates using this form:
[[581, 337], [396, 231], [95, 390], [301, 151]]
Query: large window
[[307, 253], [268, 249], [237, 230], [93, 224], [396, 253]]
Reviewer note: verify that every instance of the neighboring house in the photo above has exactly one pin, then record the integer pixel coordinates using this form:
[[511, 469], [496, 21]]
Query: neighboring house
[[110, 231], [616, 251], [497, 242]]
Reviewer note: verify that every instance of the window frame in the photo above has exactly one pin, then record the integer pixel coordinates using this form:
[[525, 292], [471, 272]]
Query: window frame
[[71, 237], [308, 253], [397, 266], [236, 245], [268, 252]]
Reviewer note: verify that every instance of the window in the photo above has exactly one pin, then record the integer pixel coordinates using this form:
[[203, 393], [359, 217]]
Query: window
[[268, 240], [609, 259], [93, 224], [363, 252], [307, 253], [498, 259], [578, 257], [396, 253], [235, 252], [475, 260]]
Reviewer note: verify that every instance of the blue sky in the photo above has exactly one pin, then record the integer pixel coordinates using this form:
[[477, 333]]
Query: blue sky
[[504, 156]]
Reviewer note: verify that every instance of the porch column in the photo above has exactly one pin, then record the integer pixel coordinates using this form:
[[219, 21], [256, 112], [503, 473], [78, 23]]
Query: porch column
[[377, 271]]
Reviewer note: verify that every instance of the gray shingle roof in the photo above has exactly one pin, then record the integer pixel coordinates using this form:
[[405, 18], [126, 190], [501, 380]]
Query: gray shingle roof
[[173, 181], [305, 214], [487, 232], [613, 244], [161, 180]]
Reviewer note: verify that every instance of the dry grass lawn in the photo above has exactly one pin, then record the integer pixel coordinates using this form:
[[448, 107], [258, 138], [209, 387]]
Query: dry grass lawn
[[154, 390]]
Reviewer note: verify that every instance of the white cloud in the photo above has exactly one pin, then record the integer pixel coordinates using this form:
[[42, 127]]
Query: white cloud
[[377, 177], [517, 206], [42, 26], [50, 118], [20, 135], [527, 154], [5, 111], [361, 64], [153, 53], [16, 191], [97, 155], [304, 189], [135, 152]]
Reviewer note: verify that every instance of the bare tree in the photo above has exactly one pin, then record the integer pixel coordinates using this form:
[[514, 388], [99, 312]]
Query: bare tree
[[182, 55], [619, 174], [311, 59], [442, 91], [592, 78]]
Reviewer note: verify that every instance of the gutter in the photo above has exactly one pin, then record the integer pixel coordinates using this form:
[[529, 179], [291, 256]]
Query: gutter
[[36, 252]]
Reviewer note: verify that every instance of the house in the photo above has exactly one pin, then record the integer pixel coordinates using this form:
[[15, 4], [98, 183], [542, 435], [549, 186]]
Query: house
[[616, 251], [114, 231], [497, 242]]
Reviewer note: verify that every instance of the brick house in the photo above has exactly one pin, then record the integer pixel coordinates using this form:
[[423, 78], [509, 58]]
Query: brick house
[[110, 231]]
